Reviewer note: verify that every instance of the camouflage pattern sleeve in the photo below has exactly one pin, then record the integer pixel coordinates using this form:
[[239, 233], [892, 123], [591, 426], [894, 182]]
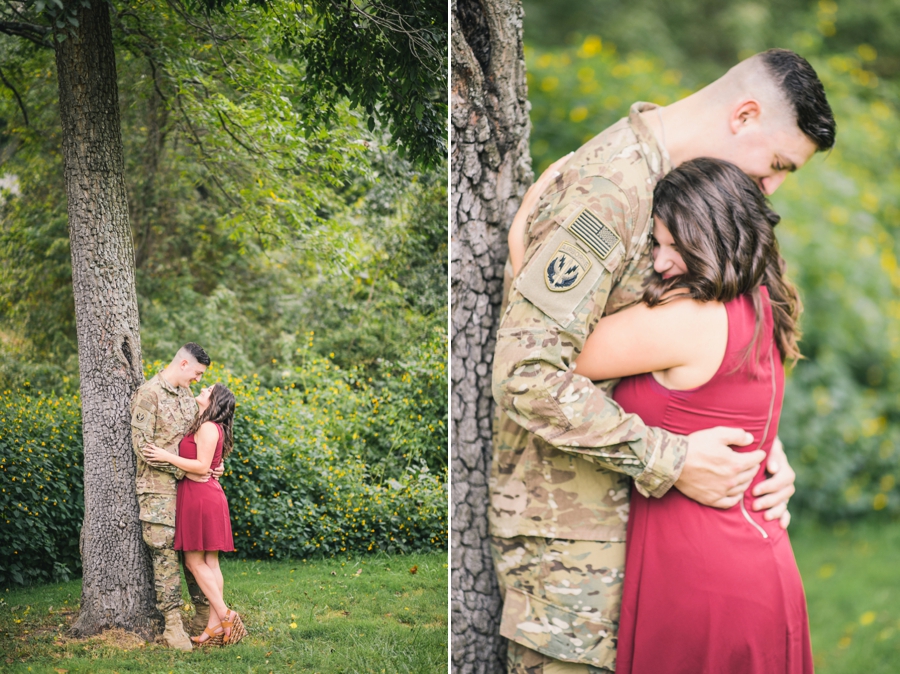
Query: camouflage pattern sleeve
[[167, 467], [143, 420], [144, 407], [582, 245]]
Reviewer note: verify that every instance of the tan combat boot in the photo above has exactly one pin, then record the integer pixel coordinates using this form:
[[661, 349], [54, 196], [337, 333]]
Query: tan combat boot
[[175, 636], [200, 621]]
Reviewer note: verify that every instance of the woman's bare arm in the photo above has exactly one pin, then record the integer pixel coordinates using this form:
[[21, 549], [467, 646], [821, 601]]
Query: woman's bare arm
[[206, 437], [682, 333]]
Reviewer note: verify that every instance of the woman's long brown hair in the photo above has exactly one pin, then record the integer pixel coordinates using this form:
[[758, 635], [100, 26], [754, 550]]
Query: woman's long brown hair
[[220, 411], [724, 229]]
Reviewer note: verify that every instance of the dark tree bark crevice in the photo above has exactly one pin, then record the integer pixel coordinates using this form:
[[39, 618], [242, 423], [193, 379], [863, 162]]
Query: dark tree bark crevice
[[490, 171], [473, 25]]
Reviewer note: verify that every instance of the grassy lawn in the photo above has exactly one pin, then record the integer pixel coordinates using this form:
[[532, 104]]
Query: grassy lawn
[[322, 617], [368, 615], [852, 579]]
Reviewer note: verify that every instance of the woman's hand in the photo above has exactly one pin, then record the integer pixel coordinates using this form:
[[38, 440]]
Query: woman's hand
[[152, 453], [517, 230]]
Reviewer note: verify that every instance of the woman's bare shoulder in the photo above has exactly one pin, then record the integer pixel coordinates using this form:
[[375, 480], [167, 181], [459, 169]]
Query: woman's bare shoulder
[[208, 429], [679, 310]]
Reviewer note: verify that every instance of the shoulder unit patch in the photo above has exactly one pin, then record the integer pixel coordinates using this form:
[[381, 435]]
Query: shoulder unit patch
[[566, 268], [560, 276]]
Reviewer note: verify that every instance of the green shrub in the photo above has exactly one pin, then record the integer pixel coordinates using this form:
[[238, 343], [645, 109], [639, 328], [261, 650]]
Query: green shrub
[[41, 495], [304, 479], [395, 415], [293, 493]]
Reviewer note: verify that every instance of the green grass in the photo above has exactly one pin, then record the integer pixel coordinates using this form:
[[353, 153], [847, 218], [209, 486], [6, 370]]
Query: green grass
[[852, 579], [365, 615], [389, 620]]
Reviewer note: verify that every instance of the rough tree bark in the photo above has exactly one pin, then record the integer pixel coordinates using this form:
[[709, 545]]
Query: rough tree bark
[[490, 171], [117, 588]]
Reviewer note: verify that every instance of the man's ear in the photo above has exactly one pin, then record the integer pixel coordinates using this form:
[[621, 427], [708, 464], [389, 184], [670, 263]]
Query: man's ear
[[746, 112]]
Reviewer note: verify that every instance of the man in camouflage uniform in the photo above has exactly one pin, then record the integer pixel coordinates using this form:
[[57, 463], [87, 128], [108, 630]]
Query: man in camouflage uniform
[[162, 411], [564, 453]]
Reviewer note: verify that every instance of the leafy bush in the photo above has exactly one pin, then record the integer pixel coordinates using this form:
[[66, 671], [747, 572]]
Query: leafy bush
[[294, 493], [41, 496], [338, 461], [395, 414], [839, 234], [331, 462]]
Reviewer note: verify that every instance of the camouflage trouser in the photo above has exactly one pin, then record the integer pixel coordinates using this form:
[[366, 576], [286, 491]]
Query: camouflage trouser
[[160, 539], [521, 660], [561, 598]]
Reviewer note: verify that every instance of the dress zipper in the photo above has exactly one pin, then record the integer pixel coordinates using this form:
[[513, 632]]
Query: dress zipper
[[750, 519], [764, 435]]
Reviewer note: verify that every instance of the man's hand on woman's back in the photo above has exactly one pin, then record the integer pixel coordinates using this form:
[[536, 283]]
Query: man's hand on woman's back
[[717, 476], [773, 493], [713, 473]]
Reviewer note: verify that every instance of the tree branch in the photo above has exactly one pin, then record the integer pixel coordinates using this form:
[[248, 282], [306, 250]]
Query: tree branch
[[233, 137], [203, 154], [185, 15], [16, 94], [29, 31]]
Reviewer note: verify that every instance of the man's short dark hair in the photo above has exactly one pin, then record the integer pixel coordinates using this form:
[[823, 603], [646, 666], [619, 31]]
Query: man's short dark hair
[[802, 87], [197, 352]]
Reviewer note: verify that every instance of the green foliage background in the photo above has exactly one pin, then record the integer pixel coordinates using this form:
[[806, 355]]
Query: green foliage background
[[839, 232], [251, 224]]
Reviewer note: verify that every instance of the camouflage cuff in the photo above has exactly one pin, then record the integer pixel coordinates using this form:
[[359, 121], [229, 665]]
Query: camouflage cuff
[[663, 462], [165, 467]]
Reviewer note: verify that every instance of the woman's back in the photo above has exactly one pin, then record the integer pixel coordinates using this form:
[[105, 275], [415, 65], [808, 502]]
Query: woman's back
[[745, 391], [706, 589]]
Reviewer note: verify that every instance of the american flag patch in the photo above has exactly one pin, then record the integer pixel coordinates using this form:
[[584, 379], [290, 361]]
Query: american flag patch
[[599, 238]]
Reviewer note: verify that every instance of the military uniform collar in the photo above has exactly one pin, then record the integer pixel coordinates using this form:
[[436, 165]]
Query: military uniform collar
[[166, 385], [645, 135]]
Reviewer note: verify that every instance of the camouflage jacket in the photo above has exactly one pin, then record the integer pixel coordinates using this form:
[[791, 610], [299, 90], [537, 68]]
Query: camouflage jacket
[[161, 415], [563, 450]]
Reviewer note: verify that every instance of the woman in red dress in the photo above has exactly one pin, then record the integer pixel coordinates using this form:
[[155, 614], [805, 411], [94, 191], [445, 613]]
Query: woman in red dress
[[706, 590], [202, 521]]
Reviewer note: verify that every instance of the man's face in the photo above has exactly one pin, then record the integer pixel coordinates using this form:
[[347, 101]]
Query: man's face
[[768, 154], [667, 260], [190, 372]]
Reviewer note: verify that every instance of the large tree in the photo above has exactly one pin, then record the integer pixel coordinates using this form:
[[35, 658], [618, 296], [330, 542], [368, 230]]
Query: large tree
[[490, 170], [117, 589]]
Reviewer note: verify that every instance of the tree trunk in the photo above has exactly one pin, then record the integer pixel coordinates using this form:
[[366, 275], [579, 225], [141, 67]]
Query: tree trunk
[[490, 170], [117, 588]]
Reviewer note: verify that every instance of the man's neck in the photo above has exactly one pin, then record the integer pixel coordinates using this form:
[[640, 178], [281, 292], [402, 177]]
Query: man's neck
[[676, 127], [169, 376]]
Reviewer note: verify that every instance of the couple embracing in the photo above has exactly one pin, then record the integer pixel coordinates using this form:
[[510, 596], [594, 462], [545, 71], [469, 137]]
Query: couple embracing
[[645, 337], [180, 442]]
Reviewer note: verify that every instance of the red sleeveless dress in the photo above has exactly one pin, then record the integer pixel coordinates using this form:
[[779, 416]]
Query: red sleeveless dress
[[706, 590], [202, 521]]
